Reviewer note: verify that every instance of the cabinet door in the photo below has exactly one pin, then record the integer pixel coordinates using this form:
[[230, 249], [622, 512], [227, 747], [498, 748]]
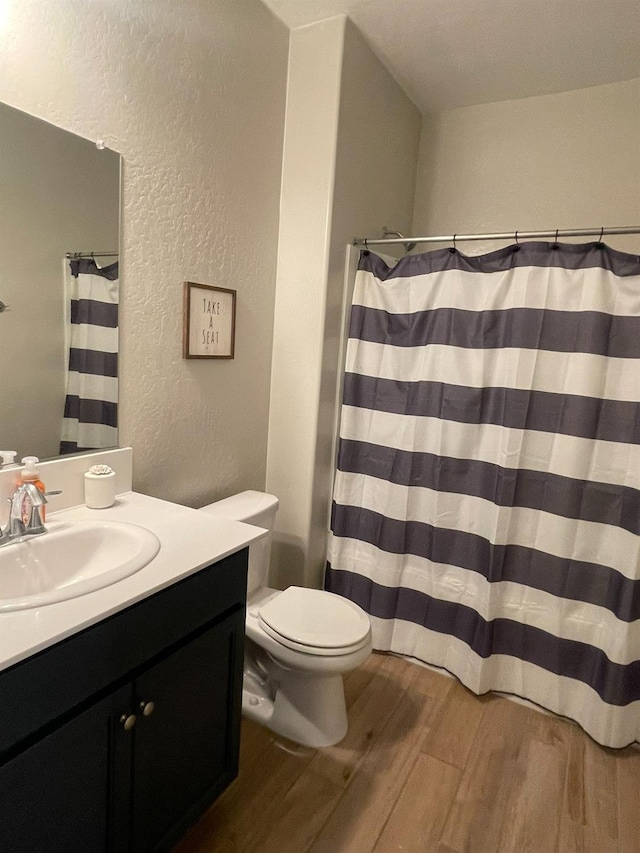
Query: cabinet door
[[186, 749], [54, 796]]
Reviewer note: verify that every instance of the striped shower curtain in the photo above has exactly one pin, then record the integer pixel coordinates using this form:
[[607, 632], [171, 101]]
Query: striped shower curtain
[[486, 508], [91, 404]]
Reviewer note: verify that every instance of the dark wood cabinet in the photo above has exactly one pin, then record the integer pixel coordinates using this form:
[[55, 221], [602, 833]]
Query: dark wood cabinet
[[53, 795], [125, 767], [190, 731]]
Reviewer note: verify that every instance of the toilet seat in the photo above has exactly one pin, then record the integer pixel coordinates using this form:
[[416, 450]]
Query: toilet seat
[[315, 622]]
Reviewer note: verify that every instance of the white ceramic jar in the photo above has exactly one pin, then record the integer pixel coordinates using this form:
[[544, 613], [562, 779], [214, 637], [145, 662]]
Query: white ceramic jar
[[99, 487]]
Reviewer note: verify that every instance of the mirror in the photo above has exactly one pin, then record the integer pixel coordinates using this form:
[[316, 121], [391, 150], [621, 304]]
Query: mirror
[[59, 194]]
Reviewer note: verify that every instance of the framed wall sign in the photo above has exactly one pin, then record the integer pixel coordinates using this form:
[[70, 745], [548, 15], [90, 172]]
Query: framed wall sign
[[209, 321]]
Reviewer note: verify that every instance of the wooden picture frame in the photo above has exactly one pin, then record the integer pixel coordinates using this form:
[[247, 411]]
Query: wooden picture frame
[[209, 329]]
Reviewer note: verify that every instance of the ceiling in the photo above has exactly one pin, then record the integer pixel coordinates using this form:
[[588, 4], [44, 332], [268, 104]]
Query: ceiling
[[452, 53]]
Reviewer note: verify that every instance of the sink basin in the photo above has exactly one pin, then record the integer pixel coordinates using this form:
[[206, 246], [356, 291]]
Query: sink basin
[[71, 560]]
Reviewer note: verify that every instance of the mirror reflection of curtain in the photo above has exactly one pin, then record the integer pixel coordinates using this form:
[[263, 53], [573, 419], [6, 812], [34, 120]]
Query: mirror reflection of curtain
[[91, 403]]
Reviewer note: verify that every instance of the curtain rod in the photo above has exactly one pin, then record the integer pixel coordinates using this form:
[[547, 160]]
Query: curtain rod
[[77, 255], [507, 235]]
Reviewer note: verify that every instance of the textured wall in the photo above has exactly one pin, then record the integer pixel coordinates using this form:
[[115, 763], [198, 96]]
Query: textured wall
[[192, 94], [351, 146], [556, 161]]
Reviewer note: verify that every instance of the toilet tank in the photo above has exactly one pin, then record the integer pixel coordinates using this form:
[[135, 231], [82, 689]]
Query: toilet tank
[[256, 508]]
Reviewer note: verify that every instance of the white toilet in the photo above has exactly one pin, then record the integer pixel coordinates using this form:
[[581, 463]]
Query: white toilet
[[298, 643]]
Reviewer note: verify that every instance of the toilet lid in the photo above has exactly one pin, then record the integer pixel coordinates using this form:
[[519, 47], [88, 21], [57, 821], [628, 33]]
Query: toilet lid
[[313, 617]]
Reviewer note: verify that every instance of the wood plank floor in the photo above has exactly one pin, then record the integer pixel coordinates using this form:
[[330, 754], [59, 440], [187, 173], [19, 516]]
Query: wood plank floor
[[427, 766]]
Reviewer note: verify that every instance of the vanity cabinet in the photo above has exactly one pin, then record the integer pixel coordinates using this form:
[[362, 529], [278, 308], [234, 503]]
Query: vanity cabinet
[[52, 795], [187, 732], [120, 736]]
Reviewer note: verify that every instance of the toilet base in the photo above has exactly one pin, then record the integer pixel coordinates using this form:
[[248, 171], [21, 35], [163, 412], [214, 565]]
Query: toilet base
[[306, 708]]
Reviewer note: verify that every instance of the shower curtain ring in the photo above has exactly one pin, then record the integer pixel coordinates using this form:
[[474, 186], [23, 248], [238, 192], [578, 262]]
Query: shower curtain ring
[[601, 235], [516, 237]]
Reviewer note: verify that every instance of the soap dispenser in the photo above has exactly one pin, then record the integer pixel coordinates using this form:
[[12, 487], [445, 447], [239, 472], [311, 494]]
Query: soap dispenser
[[30, 474]]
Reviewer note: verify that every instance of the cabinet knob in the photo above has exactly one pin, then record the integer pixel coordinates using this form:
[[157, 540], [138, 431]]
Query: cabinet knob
[[128, 721], [147, 708]]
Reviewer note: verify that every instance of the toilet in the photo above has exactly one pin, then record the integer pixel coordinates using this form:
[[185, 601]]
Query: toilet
[[299, 642]]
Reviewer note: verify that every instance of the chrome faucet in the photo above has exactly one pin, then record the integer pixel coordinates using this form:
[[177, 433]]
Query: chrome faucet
[[16, 527]]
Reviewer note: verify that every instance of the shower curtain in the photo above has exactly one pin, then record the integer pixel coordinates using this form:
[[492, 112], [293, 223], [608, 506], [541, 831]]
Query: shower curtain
[[486, 508], [91, 404]]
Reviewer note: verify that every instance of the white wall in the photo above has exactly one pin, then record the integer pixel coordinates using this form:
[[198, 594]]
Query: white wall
[[351, 140], [568, 160], [192, 94], [315, 59]]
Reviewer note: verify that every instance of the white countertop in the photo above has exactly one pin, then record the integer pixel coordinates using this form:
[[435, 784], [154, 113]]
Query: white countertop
[[189, 541]]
